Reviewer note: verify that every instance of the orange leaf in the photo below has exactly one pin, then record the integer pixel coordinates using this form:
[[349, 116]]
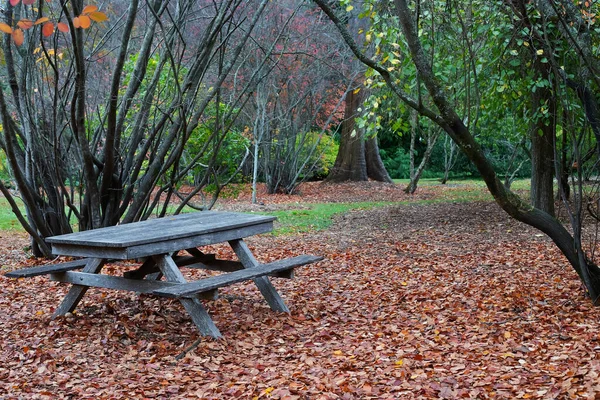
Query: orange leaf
[[14, 2], [5, 28], [25, 23], [98, 16], [85, 21], [48, 29], [62, 27], [88, 9], [76, 22], [18, 37], [41, 20], [28, 2]]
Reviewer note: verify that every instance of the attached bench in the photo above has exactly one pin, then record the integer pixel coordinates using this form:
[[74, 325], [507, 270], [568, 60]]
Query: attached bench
[[190, 290], [47, 269]]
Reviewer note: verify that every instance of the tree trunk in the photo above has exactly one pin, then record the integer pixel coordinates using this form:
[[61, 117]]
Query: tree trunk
[[375, 168], [350, 163], [542, 153], [416, 175], [358, 158]]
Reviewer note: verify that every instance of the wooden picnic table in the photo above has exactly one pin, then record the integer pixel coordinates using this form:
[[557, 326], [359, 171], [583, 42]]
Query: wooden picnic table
[[158, 244]]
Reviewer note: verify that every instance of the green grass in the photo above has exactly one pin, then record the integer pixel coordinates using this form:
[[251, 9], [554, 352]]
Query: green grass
[[316, 217], [8, 221]]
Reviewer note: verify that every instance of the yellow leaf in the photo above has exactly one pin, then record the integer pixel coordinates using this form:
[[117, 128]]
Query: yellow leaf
[[338, 353], [88, 9], [507, 335], [84, 21], [98, 16], [349, 8], [39, 312], [41, 20], [540, 52], [400, 362], [268, 390], [403, 283], [5, 28], [356, 90]]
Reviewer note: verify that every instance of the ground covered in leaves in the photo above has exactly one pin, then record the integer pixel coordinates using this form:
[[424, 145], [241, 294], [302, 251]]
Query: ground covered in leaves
[[413, 301]]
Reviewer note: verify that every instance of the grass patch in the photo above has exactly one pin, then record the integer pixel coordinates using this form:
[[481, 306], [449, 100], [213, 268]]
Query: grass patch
[[8, 221], [315, 218]]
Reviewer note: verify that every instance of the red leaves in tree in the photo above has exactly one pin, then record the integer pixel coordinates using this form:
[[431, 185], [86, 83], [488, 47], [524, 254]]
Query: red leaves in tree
[[47, 29], [64, 28], [84, 21]]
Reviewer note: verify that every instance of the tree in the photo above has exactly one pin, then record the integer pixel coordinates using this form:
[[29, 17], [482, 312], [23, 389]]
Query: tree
[[358, 157], [297, 98], [447, 118], [91, 143]]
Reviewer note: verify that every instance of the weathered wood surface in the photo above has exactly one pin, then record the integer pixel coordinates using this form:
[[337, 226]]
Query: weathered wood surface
[[47, 269], [162, 229], [215, 282], [127, 252], [75, 294], [272, 297], [193, 306], [117, 282]]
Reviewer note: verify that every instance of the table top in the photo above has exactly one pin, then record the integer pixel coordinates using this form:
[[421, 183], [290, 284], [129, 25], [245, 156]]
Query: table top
[[161, 230]]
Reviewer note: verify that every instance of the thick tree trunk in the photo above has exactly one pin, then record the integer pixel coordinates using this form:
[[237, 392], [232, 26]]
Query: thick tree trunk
[[375, 168], [542, 153], [350, 163]]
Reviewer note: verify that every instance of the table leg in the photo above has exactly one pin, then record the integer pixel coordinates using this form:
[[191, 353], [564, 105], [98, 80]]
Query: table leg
[[76, 292], [264, 285], [193, 306]]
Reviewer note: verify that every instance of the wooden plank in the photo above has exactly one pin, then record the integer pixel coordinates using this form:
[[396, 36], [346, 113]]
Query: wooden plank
[[167, 246], [262, 283], [116, 282], [76, 293], [218, 265], [215, 282], [161, 229], [47, 269], [194, 307]]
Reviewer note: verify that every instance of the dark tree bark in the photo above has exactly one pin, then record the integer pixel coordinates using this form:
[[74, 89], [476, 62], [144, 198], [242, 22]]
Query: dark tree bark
[[350, 163], [358, 158], [375, 168], [542, 154]]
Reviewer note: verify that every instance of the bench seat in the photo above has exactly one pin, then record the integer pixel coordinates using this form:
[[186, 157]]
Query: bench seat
[[209, 284], [47, 269]]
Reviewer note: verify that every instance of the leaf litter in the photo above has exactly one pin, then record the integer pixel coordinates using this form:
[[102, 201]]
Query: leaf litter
[[428, 301]]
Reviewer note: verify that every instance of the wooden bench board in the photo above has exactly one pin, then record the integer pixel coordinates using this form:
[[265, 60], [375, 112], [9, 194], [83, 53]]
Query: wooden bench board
[[193, 288], [47, 269]]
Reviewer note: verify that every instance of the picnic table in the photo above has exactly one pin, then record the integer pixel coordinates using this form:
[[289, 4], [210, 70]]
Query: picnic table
[[158, 244]]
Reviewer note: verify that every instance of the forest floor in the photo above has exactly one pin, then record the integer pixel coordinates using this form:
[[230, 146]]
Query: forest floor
[[426, 299]]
